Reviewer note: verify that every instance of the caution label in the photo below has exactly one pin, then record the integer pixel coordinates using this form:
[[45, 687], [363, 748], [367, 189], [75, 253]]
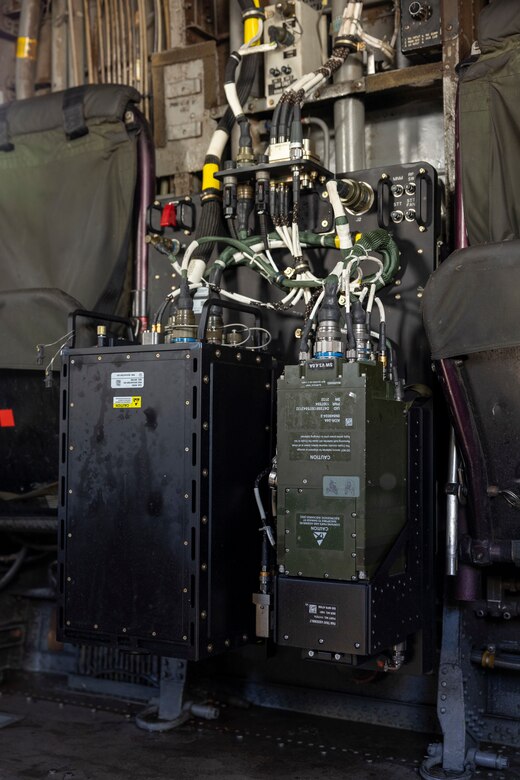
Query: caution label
[[127, 402], [325, 531]]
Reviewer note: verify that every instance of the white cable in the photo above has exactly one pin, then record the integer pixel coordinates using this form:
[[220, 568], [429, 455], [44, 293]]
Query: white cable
[[230, 90], [259, 49], [263, 518], [62, 338], [290, 296], [266, 343], [284, 235], [299, 295], [376, 43], [316, 82], [371, 298], [288, 239], [310, 276], [350, 24], [218, 143], [379, 304], [240, 298], [50, 364], [244, 341], [296, 240], [348, 273], [342, 230], [176, 267], [362, 294], [235, 325], [270, 258], [196, 269], [187, 255], [306, 295]]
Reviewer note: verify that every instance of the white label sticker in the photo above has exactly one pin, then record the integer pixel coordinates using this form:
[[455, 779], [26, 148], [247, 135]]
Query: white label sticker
[[127, 379]]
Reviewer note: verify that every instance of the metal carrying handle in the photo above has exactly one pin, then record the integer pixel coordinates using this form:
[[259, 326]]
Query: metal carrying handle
[[96, 315]]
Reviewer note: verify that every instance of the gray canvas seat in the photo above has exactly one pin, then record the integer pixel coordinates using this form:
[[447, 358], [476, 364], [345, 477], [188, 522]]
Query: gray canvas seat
[[472, 319]]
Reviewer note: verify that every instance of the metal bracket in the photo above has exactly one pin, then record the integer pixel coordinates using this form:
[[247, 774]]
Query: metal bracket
[[171, 692], [456, 758], [170, 710]]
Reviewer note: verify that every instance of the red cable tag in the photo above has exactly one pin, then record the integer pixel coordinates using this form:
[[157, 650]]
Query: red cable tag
[[6, 418], [169, 215]]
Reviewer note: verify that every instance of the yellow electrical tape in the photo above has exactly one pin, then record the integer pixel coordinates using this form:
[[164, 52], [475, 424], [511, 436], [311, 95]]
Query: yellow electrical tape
[[251, 26], [26, 48], [356, 239], [127, 402], [208, 178]]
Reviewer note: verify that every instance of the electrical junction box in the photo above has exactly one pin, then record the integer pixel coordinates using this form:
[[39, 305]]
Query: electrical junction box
[[292, 59], [342, 469], [159, 548]]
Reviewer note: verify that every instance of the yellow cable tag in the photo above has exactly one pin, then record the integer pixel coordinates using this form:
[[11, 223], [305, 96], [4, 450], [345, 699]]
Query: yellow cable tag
[[26, 48], [127, 402], [208, 178]]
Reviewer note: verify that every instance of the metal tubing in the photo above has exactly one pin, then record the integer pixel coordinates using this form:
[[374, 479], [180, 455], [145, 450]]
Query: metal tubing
[[452, 508], [314, 120], [461, 236], [146, 189], [349, 122], [59, 46], [349, 112], [26, 49], [507, 661], [469, 446]]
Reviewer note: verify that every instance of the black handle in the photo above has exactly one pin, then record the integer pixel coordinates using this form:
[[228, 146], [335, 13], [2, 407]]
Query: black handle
[[186, 215], [424, 198], [383, 203], [150, 227], [96, 315]]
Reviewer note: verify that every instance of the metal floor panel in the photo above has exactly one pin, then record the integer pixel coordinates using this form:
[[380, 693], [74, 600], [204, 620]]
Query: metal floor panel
[[57, 741]]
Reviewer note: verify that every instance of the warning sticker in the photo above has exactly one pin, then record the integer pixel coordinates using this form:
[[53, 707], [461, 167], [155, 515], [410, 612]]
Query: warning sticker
[[321, 446], [127, 379], [127, 402], [325, 531], [322, 614]]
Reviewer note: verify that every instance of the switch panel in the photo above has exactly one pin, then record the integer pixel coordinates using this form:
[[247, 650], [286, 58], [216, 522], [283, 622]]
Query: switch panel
[[284, 23], [421, 32]]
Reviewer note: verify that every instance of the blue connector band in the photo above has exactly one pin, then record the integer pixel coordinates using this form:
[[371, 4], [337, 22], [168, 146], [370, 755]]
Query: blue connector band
[[322, 355]]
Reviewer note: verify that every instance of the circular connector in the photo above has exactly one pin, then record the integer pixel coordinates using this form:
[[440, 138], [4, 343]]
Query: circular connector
[[409, 215], [397, 190], [396, 216], [410, 188], [357, 196], [419, 11]]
